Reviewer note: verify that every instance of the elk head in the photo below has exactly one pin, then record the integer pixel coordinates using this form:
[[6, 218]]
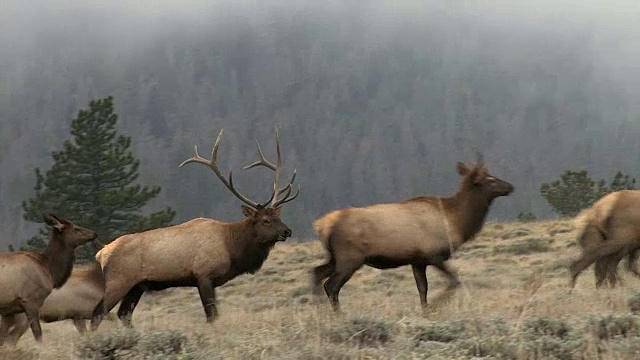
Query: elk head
[[263, 217], [482, 182], [69, 234]]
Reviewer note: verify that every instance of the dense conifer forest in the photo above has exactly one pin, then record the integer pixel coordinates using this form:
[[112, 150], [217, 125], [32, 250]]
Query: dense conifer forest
[[374, 101]]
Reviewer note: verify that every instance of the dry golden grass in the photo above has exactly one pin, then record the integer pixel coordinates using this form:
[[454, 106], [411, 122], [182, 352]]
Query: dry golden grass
[[514, 272]]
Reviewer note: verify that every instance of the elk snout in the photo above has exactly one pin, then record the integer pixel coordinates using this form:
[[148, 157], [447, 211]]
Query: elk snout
[[510, 189], [287, 233]]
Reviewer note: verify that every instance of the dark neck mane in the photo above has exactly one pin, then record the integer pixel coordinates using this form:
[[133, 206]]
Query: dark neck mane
[[470, 209], [58, 259], [248, 252]]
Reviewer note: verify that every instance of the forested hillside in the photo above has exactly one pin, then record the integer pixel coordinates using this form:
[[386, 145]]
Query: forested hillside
[[375, 101]]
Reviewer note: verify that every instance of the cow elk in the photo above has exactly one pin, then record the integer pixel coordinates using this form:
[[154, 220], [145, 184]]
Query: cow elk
[[419, 232], [203, 253], [27, 278], [609, 231], [79, 299]]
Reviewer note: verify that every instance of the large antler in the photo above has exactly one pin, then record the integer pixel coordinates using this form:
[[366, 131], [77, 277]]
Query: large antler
[[214, 166], [275, 202]]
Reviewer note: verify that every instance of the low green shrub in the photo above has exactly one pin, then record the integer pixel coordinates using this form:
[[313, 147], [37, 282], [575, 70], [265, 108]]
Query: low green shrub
[[361, 331]]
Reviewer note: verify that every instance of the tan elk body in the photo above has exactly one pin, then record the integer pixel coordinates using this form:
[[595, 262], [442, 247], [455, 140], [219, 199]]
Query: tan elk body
[[27, 278], [79, 299], [419, 232], [608, 231], [203, 253]]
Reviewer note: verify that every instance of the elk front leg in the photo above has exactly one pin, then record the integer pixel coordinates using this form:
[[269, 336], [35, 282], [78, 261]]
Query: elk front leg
[[208, 297], [454, 282], [420, 274], [33, 316], [80, 325]]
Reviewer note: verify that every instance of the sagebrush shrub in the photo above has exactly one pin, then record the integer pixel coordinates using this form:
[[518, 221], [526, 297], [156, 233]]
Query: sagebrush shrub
[[610, 326], [107, 346], [361, 331], [546, 326], [440, 332], [634, 303]]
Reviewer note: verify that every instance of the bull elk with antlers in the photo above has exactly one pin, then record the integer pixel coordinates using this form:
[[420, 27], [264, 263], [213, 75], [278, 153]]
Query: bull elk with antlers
[[27, 278], [203, 253], [608, 231], [419, 232]]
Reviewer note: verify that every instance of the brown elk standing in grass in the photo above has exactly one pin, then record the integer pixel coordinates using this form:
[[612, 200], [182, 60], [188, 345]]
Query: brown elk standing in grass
[[590, 224], [419, 232], [203, 253], [79, 299], [609, 231], [27, 278]]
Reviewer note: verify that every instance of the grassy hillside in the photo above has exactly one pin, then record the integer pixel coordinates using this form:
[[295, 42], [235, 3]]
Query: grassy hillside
[[513, 304]]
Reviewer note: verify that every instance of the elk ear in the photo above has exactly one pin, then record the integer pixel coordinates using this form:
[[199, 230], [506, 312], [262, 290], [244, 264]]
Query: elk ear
[[54, 222], [462, 169], [247, 211]]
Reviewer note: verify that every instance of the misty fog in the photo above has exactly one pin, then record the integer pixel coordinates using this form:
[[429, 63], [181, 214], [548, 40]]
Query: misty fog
[[375, 101]]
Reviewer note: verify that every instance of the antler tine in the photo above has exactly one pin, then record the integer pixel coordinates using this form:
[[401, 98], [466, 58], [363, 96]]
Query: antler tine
[[293, 178], [214, 166], [264, 162], [286, 199], [276, 189], [195, 158], [281, 190]]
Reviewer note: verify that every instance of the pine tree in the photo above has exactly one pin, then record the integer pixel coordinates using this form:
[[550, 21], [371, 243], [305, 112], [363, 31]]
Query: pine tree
[[575, 191], [92, 182]]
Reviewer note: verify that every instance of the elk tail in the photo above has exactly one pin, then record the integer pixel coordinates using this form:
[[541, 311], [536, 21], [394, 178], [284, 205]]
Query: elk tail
[[594, 221], [324, 226]]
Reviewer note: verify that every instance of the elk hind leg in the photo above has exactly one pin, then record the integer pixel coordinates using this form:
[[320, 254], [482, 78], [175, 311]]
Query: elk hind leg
[[612, 269], [17, 327], [342, 273], [9, 328], [97, 315], [129, 303], [632, 262], [600, 269], [595, 253], [320, 273]]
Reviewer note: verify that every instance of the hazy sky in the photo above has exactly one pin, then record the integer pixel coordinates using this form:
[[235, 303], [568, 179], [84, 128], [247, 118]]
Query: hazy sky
[[611, 26]]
